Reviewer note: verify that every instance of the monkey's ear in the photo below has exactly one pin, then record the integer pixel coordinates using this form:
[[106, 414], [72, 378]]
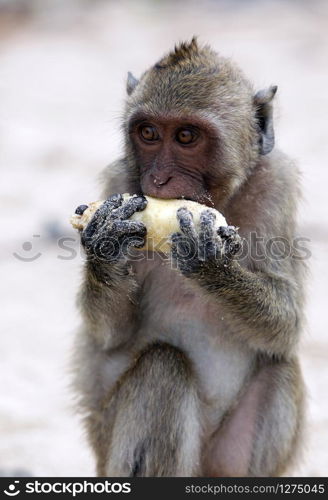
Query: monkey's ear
[[262, 101], [131, 83]]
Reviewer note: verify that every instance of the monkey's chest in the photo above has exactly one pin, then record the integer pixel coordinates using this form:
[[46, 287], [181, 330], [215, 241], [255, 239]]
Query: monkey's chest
[[173, 310], [173, 304]]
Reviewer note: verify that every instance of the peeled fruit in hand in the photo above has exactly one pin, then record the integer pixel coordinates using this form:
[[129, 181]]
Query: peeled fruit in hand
[[159, 217]]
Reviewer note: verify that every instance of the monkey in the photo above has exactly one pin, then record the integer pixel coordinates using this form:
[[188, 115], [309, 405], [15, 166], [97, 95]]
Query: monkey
[[187, 364]]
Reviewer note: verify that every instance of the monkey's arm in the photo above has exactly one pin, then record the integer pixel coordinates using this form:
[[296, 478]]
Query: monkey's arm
[[108, 300], [263, 306], [109, 294]]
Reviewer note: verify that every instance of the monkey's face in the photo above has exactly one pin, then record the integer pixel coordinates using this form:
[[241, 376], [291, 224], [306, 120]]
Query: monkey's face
[[194, 128], [183, 142], [173, 155]]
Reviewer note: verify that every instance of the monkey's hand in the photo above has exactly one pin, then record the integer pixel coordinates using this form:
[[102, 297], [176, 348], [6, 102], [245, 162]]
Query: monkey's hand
[[210, 248], [109, 234]]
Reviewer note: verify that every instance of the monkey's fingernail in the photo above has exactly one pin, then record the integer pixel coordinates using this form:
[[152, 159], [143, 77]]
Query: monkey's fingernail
[[81, 209], [184, 214], [143, 202], [115, 198]]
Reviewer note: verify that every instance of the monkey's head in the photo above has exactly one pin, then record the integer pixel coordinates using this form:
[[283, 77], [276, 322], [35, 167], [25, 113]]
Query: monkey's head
[[194, 127]]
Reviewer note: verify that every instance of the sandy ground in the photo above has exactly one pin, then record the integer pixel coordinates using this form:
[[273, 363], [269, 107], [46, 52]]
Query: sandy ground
[[62, 80]]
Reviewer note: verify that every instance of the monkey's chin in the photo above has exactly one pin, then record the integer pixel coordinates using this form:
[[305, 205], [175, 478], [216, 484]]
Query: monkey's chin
[[204, 199]]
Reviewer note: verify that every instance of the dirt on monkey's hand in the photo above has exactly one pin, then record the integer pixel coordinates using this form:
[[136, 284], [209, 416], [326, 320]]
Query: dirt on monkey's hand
[[106, 229], [196, 249], [159, 217]]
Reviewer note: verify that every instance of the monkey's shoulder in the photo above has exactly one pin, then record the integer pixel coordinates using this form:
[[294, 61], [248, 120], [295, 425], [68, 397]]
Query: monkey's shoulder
[[267, 201]]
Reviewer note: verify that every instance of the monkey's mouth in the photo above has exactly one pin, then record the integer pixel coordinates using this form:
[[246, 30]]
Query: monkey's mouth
[[203, 198]]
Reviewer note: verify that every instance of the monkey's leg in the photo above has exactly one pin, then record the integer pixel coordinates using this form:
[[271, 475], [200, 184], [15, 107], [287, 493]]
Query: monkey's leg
[[260, 436], [156, 428]]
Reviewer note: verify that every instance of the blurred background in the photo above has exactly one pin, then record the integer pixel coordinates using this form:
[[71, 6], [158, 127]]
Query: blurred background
[[63, 66]]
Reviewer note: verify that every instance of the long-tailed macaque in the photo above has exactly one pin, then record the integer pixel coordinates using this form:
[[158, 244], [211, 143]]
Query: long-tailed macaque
[[187, 363]]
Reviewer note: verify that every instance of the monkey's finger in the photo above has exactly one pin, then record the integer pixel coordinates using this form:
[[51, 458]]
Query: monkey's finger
[[184, 253], [176, 244], [133, 235], [226, 231], [100, 216], [126, 227], [183, 247], [208, 245], [81, 209], [112, 203], [231, 240], [136, 241], [186, 223], [206, 224], [97, 220], [115, 199], [209, 249], [175, 238], [129, 207], [233, 245]]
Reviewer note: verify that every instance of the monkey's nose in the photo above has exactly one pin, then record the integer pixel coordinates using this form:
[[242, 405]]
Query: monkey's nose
[[161, 182]]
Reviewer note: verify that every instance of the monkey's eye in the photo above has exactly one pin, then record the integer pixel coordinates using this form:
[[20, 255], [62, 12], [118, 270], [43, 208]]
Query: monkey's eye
[[148, 133], [186, 136]]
